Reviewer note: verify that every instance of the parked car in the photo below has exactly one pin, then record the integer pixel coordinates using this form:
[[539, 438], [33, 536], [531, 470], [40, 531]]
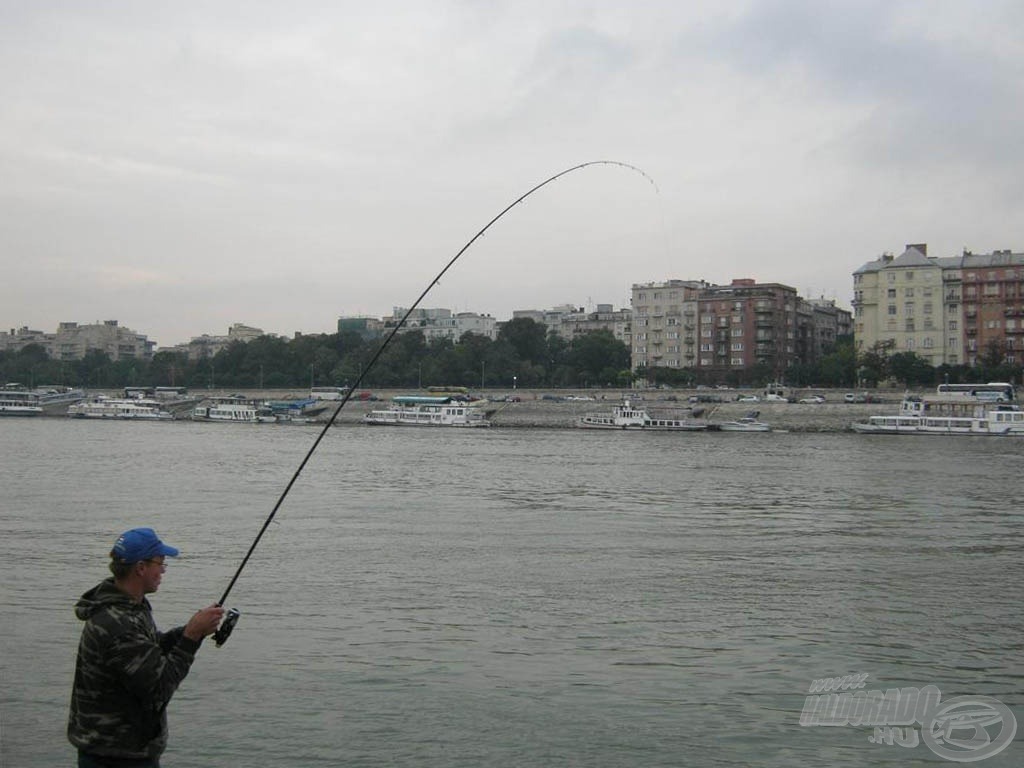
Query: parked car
[[850, 397], [773, 398], [748, 399], [812, 399]]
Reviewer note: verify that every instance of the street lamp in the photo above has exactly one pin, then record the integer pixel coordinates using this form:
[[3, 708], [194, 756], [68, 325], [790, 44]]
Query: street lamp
[[513, 382]]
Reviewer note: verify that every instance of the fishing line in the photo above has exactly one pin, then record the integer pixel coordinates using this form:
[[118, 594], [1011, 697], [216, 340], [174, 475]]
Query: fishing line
[[225, 630]]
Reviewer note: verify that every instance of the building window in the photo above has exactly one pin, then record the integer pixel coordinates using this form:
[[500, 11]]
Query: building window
[[910, 275], [737, 331], [927, 307], [737, 346], [891, 293], [892, 309], [928, 343], [908, 292], [952, 342], [952, 325], [737, 361], [908, 309], [910, 344]]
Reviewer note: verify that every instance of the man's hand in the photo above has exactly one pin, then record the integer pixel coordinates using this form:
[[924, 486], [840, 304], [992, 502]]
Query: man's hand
[[204, 622]]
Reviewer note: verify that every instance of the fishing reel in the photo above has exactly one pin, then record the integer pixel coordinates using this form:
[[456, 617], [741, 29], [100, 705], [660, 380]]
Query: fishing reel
[[224, 630]]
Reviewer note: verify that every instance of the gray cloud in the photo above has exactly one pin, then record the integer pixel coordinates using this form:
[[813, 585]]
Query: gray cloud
[[182, 166]]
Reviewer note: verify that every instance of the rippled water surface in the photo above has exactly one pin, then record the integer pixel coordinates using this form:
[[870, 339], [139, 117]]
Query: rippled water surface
[[521, 597]]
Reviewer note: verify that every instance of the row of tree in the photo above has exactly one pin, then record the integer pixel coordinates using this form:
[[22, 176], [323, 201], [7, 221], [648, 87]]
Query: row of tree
[[524, 354]]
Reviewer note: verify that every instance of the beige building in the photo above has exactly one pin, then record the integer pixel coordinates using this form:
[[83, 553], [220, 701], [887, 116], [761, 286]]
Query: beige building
[[900, 303], [207, 346], [946, 310], [442, 324], [664, 323], [603, 318], [72, 341]]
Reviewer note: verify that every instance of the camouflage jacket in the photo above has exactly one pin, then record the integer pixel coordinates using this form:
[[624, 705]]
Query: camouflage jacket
[[126, 673]]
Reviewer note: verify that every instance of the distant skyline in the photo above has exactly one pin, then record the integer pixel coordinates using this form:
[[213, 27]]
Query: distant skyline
[[181, 167]]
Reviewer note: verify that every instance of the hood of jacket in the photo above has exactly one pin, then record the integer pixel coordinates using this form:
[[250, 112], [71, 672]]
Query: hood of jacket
[[104, 595]]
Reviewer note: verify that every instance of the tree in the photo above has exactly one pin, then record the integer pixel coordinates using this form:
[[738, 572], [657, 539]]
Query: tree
[[527, 337], [873, 365], [910, 369], [597, 357]]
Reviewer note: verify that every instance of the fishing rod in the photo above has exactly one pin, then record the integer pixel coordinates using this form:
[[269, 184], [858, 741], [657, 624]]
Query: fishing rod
[[231, 618]]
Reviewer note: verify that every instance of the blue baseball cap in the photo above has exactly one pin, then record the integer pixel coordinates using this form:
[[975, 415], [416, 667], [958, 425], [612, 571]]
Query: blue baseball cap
[[140, 544]]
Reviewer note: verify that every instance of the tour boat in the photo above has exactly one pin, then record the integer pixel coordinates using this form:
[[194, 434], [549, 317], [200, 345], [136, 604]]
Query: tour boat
[[19, 402], [119, 408], [627, 416], [947, 414], [418, 411]]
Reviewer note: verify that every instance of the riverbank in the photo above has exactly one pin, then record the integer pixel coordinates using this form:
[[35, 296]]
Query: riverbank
[[541, 410], [561, 409]]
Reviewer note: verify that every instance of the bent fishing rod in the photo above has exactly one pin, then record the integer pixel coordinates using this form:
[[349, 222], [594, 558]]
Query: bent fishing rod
[[231, 618]]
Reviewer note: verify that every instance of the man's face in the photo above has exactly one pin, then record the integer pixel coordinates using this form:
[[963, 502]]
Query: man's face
[[152, 573]]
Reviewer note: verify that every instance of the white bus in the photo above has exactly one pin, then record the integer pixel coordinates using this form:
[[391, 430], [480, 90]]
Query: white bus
[[996, 391], [327, 393]]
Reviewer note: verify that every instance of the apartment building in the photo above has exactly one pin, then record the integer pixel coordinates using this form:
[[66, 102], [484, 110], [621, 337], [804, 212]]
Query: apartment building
[[992, 290], [603, 318], [206, 346], [820, 323], [746, 325], [949, 310], [664, 323], [441, 323], [73, 341]]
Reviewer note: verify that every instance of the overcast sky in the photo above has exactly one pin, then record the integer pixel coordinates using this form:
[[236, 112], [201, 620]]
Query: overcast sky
[[182, 166]]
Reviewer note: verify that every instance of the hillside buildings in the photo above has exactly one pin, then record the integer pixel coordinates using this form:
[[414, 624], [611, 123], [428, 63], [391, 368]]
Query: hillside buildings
[[207, 346], [441, 323], [950, 310], [73, 341]]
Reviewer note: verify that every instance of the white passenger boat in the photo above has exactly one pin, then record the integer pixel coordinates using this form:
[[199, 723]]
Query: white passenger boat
[[119, 408], [19, 402], [627, 416], [417, 411], [947, 414], [748, 423], [233, 409]]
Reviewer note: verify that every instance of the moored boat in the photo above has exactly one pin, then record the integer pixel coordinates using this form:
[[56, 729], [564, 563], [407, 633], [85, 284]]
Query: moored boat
[[748, 423], [232, 409], [418, 411], [15, 401], [119, 408], [627, 416], [947, 414]]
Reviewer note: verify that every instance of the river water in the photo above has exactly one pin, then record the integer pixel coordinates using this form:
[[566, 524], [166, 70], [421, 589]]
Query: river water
[[521, 597]]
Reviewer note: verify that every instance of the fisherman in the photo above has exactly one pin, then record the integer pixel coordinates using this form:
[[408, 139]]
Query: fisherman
[[127, 670]]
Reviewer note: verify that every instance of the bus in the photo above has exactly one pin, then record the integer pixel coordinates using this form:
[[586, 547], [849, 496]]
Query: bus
[[327, 393], [996, 391]]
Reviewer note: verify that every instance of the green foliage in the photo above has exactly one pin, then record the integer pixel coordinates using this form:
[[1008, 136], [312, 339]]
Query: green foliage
[[523, 352]]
